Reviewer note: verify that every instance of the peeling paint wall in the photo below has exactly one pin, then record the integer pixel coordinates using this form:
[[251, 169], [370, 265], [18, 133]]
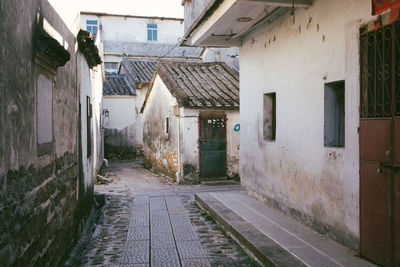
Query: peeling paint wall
[[42, 210], [177, 153], [296, 173], [190, 145], [161, 148]]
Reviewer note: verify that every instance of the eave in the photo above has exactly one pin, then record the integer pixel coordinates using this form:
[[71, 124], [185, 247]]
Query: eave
[[226, 22]]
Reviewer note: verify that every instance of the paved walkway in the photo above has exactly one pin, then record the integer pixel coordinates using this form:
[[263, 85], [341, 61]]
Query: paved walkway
[[147, 220], [273, 237]]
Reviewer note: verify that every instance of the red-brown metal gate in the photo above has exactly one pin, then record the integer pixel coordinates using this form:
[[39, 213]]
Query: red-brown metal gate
[[380, 145]]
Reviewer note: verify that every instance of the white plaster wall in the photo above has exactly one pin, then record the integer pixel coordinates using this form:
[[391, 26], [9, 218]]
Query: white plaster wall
[[295, 60], [127, 29], [189, 121], [232, 142], [140, 96], [97, 103], [161, 149], [121, 111]]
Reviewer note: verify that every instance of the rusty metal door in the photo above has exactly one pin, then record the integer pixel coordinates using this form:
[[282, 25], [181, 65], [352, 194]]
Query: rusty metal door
[[212, 142], [380, 145]]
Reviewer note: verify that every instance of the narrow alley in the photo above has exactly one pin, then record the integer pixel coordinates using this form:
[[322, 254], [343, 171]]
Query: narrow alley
[[200, 133], [143, 219]]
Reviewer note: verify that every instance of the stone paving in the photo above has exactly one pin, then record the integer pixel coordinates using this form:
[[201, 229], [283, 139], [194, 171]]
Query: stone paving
[[147, 220]]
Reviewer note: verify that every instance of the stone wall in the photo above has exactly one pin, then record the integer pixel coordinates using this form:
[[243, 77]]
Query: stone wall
[[43, 202]]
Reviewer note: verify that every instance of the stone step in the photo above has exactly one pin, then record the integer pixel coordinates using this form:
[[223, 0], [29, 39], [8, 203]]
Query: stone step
[[271, 237]]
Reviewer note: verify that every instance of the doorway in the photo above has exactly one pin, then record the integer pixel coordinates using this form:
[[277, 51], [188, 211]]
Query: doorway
[[212, 143], [380, 145]]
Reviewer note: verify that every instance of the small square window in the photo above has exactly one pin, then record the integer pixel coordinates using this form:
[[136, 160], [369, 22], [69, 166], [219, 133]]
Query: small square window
[[152, 32], [91, 26], [334, 114], [269, 118]]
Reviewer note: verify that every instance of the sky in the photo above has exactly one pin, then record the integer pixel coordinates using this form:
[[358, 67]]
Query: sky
[[159, 8]]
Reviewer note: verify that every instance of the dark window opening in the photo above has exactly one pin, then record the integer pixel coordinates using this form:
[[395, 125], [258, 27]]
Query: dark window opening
[[167, 125], [334, 114], [269, 118], [88, 126]]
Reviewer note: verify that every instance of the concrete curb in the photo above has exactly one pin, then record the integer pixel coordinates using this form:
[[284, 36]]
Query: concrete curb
[[264, 249]]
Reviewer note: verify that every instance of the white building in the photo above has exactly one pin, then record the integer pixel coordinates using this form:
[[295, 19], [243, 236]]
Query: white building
[[191, 121], [305, 146], [90, 136], [137, 37]]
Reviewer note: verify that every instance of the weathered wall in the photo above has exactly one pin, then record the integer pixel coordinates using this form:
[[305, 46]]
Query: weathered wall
[[232, 142], [189, 122], [40, 214], [317, 184], [193, 10], [228, 55], [90, 85], [160, 149], [121, 125], [97, 78]]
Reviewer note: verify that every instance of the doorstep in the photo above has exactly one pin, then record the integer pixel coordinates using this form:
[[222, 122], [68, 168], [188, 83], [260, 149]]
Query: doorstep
[[273, 238]]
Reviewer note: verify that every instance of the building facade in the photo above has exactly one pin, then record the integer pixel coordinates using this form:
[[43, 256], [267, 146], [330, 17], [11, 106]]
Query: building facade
[[191, 121], [44, 199], [305, 146]]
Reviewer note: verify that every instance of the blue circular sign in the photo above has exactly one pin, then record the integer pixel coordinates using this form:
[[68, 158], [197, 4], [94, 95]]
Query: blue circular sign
[[236, 128]]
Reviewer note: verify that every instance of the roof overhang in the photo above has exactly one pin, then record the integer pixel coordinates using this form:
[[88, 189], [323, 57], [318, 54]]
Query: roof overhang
[[226, 22]]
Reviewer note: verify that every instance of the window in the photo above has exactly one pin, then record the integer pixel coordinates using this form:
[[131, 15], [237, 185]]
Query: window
[[167, 125], [269, 118], [91, 26], [152, 32], [44, 114], [88, 126], [334, 114]]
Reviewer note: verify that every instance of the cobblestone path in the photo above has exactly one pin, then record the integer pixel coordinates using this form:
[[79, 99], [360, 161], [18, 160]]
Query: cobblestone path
[[146, 220]]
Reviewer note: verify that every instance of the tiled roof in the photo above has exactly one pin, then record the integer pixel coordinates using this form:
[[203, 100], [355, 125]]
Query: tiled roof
[[138, 70], [117, 84], [201, 85]]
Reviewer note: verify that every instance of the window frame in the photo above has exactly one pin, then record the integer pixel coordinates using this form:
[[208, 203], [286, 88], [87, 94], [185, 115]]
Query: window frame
[[92, 26], [152, 32], [271, 135], [334, 124]]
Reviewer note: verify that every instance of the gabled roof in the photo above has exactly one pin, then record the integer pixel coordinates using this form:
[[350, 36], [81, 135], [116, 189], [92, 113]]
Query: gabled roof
[[200, 85], [117, 84], [138, 70]]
